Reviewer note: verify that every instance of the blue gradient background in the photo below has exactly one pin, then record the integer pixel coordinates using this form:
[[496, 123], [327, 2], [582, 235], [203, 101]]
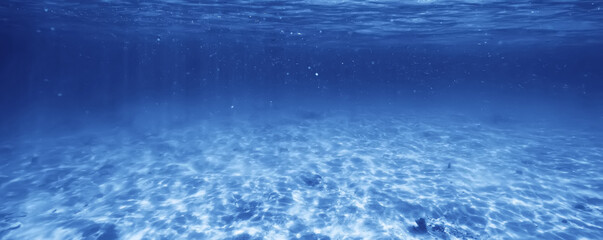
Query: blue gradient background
[[301, 119]]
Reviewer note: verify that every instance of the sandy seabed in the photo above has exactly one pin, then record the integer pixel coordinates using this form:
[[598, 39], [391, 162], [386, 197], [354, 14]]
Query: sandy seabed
[[308, 176]]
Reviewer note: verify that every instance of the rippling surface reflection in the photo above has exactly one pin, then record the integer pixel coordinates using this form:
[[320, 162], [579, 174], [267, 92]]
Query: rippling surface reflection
[[323, 22]]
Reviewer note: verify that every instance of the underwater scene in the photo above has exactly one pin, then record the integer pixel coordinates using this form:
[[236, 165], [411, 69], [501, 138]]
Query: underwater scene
[[301, 119]]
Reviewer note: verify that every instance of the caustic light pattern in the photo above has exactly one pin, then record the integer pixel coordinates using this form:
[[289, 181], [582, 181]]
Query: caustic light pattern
[[309, 176]]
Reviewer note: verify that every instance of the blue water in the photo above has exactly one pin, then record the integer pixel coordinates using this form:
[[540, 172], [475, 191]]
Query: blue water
[[304, 119]]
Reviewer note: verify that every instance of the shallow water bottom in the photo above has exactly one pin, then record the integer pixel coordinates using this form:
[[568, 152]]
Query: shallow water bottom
[[308, 176]]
